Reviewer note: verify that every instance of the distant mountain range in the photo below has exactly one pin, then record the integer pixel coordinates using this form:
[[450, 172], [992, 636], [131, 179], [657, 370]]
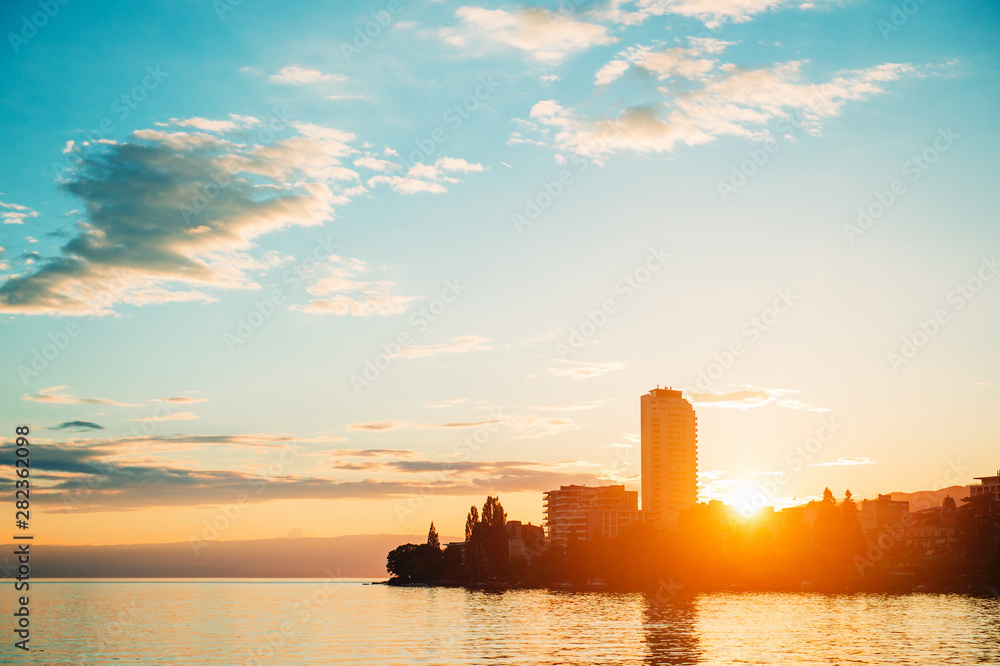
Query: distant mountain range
[[356, 556], [926, 499]]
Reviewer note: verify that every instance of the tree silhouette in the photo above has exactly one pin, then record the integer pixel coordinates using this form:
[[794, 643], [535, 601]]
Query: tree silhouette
[[470, 523], [494, 528], [432, 537]]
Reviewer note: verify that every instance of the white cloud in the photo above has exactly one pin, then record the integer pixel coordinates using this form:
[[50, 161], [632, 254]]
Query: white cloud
[[172, 215], [846, 460], [54, 396], [730, 102], [749, 397], [294, 75], [712, 12], [583, 369], [15, 213], [234, 123], [458, 345], [546, 36], [339, 291], [426, 177]]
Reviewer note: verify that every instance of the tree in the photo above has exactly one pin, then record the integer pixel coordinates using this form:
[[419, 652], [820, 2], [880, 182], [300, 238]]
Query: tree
[[494, 544], [414, 562], [978, 532], [470, 523], [432, 538], [852, 537], [826, 533]]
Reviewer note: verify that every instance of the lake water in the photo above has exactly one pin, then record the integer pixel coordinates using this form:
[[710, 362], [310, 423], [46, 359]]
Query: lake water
[[324, 622]]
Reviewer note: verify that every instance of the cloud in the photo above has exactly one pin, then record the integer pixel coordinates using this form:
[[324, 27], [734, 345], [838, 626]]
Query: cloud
[[458, 345], [712, 12], [338, 291], [122, 487], [530, 426], [182, 400], [294, 75], [575, 407], [378, 426], [749, 397], [234, 123], [176, 416], [373, 453], [583, 369], [546, 36], [730, 102], [53, 396], [422, 177], [77, 425], [446, 403], [12, 213], [172, 215], [666, 63], [846, 460]]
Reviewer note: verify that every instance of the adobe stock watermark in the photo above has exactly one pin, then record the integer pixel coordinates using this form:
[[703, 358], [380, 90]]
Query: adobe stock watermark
[[44, 354], [30, 25], [625, 288], [927, 329], [371, 30], [278, 121], [913, 168], [104, 469], [463, 449], [751, 330], [265, 308], [302, 612], [420, 322], [122, 107], [890, 536], [796, 459], [454, 116], [898, 17], [758, 156], [228, 514]]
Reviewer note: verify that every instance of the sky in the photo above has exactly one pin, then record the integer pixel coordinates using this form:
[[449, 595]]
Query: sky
[[317, 269]]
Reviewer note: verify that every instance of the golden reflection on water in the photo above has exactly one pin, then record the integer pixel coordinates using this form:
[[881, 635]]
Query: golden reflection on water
[[322, 622]]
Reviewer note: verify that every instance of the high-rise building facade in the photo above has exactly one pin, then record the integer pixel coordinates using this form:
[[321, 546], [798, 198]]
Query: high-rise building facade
[[584, 512], [669, 456]]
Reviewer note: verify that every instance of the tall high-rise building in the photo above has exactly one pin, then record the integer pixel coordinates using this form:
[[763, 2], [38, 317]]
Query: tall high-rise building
[[669, 456]]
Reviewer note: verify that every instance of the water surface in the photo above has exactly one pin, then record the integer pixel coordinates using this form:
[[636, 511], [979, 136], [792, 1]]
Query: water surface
[[324, 622]]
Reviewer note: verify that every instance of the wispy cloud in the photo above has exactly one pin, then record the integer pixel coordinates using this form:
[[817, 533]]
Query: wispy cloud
[[546, 36], [294, 75], [583, 369], [750, 397], [378, 426], [458, 345], [176, 416], [12, 213], [846, 460], [731, 102], [77, 425], [340, 291], [712, 12], [446, 403], [127, 486], [54, 396]]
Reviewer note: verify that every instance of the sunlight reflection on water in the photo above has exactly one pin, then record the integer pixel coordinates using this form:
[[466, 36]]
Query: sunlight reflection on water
[[318, 622]]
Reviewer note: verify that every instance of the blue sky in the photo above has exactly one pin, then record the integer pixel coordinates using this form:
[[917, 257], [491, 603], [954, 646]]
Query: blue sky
[[180, 174]]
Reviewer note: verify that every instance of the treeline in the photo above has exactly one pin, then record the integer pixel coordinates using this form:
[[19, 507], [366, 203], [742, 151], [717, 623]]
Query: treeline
[[713, 549]]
